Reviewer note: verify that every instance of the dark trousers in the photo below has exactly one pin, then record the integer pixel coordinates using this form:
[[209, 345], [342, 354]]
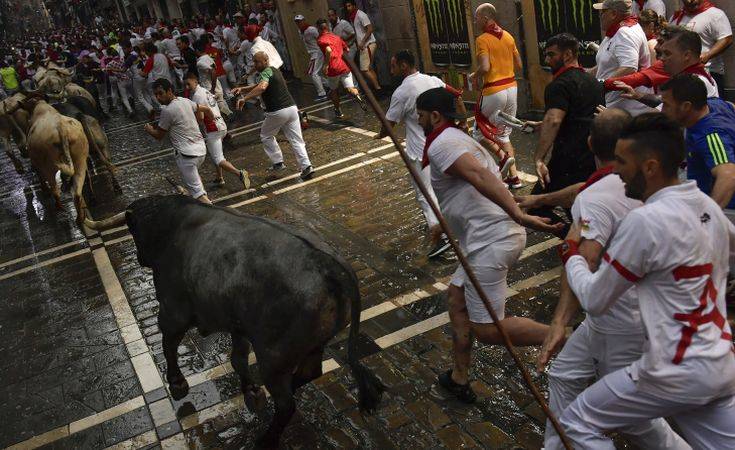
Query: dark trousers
[[720, 82]]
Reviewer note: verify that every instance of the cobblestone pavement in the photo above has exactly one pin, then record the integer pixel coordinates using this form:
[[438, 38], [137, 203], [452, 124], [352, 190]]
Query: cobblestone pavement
[[83, 365]]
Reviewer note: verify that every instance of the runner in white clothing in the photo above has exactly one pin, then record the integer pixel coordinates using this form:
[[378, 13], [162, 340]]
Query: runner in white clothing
[[624, 50], [214, 131], [487, 222], [343, 29], [675, 250], [601, 344], [310, 34]]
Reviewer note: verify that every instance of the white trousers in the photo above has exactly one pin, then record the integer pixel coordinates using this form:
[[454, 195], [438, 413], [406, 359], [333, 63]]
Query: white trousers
[[615, 402], [505, 101], [142, 94], [425, 173], [189, 169], [587, 356], [316, 67], [124, 89], [286, 119], [213, 140]]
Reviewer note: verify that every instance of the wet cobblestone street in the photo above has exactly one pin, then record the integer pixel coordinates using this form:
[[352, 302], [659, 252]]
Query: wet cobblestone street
[[83, 365]]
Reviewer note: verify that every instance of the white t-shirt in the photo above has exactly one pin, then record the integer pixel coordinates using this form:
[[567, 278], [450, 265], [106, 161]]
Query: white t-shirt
[[261, 45], [361, 22], [179, 120], [712, 90], [476, 221], [310, 36], [403, 109], [201, 96], [711, 26], [205, 66], [244, 49], [230, 37], [170, 48], [628, 48], [160, 68], [657, 5], [599, 209], [345, 30], [676, 250]]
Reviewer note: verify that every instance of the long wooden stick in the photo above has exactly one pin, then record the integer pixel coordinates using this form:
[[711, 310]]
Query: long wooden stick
[[462, 258]]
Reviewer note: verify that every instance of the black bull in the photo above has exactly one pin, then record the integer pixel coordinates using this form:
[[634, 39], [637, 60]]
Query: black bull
[[280, 289]]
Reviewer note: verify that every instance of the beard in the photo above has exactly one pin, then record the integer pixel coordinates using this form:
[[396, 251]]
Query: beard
[[636, 186], [427, 129]]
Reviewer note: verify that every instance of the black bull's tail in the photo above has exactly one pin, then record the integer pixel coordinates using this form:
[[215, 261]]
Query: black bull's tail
[[370, 389]]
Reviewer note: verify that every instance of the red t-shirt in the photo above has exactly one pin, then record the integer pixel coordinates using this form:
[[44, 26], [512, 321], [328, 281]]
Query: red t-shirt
[[336, 65]]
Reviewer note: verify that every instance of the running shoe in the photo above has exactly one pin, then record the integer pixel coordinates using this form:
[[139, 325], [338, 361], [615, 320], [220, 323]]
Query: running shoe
[[245, 178], [513, 182], [277, 167], [320, 98], [338, 113], [361, 102], [505, 164], [442, 246], [463, 392], [307, 173]]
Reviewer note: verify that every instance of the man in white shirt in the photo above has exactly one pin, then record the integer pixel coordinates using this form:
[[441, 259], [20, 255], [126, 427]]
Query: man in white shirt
[[179, 121], [675, 250], [655, 5], [624, 50], [215, 130], [403, 109], [488, 224], [343, 29], [713, 27], [365, 41], [310, 34], [601, 344]]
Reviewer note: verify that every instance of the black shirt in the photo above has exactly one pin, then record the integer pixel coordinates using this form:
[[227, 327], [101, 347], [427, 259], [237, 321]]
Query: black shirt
[[276, 96], [578, 94], [190, 58]]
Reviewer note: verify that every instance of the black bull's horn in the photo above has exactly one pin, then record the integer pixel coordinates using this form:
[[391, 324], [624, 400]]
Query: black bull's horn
[[114, 221]]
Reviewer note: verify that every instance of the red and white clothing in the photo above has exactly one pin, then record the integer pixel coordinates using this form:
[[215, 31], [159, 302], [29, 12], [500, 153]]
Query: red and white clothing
[[337, 70], [676, 249], [157, 66], [316, 58], [711, 24], [624, 45], [657, 5]]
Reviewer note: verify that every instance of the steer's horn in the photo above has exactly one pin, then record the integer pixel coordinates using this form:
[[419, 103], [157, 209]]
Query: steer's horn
[[110, 222]]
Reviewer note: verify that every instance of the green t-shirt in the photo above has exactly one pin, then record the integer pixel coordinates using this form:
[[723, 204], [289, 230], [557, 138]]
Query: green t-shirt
[[10, 78], [276, 96]]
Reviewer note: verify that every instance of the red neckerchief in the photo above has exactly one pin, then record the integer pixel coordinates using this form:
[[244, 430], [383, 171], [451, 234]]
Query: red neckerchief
[[627, 22], [352, 16], [596, 176], [303, 25], [430, 138], [564, 69], [652, 35], [698, 69], [679, 15], [494, 30]]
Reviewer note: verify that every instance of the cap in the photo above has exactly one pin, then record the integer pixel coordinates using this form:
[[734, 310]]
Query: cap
[[616, 5], [442, 101], [298, 18]]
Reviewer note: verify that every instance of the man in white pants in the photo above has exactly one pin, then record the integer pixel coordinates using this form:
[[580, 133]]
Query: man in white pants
[[675, 250], [310, 34], [403, 109], [178, 119], [215, 130], [280, 113], [601, 344]]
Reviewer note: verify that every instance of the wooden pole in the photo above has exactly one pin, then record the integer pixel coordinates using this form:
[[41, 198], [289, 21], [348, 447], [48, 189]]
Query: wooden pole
[[378, 110]]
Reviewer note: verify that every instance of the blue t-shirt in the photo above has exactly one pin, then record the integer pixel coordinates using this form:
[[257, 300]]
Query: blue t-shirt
[[711, 142]]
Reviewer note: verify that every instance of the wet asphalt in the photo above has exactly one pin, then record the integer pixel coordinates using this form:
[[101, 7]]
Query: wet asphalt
[[83, 363]]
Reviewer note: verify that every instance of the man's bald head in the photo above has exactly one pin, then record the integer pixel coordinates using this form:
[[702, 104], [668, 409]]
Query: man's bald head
[[605, 131], [260, 61], [486, 10]]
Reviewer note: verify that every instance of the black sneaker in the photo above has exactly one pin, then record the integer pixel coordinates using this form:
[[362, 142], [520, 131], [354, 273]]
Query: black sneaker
[[442, 246], [338, 113], [277, 167], [463, 392], [361, 102], [307, 173]]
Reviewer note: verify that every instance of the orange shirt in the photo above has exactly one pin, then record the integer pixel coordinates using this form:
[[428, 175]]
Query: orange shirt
[[501, 53]]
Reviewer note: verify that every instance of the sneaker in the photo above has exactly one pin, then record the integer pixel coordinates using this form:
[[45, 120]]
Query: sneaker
[[463, 392], [218, 182], [442, 246], [338, 113], [513, 183], [277, 167], [320, 98], [245, 178], [505, 164], [307, 173], [361, 102]]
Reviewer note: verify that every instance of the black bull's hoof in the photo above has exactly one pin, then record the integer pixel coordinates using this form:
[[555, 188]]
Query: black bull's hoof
[[254, 398], [179, 388]]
